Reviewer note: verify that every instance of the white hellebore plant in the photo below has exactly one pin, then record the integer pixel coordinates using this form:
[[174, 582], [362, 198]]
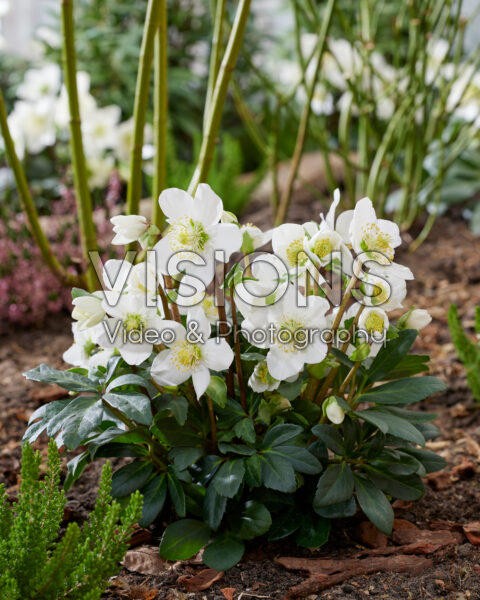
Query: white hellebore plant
[[88, 310], [84, 352], [191, 354], [417, 319], [195, 233], [128, 228]]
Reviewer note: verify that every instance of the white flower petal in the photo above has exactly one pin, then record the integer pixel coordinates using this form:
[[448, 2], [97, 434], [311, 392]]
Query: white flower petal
[[201, 379], [176, 203], [218, 354], [207, 207]]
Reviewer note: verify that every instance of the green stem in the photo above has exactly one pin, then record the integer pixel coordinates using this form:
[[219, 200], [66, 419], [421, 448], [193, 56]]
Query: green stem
[[219, 96], [302, 130], [160, 114], [88, 236], [152, 24], [215, 56], [29, 208]]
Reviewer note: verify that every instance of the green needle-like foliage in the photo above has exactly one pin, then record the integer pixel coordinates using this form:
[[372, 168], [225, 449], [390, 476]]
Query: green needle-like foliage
[[34, 562], [468, 351]]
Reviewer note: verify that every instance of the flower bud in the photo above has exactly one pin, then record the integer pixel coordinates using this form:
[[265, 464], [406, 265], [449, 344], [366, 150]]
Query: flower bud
[[417, 319], [128, 228], [333, 411], [87, 310]]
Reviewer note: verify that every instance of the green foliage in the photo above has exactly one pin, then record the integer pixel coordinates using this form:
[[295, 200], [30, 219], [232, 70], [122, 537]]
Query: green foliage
[[286, 477], [34, 563], [468, 351]]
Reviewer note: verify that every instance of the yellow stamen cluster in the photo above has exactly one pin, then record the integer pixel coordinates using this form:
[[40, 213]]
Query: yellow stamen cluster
[[186, 356], [262, 373], [374, 322], [322, 247], [291, 334], [374, 239], [296, 254]]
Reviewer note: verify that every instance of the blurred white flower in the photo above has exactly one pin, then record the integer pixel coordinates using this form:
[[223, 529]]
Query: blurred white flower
[[99, 170], [124, 141], [99, 129], [35, 121], [40, 83], [4, 7]]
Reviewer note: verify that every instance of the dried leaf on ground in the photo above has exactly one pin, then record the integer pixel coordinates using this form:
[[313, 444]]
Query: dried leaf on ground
[[368, 535], [146, 561], [229, 593], [325, 573], [201, 581], [472, 531]]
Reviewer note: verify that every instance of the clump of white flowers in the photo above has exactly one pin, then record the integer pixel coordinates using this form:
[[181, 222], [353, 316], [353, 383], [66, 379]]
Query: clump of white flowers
[[160, 313], [40, 118]]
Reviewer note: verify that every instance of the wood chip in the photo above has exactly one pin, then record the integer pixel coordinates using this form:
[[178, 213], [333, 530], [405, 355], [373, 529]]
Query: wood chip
[[228, 593], [472, 531], [201, 581], [146, 560], [368, 535]]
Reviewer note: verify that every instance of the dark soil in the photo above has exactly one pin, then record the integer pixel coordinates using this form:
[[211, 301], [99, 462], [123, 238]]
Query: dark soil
[[447, 269]]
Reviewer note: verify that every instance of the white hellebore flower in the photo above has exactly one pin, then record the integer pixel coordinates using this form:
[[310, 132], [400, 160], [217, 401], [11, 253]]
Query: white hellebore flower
[[86, 101], [195, 233], [99, 170], [377, 237], [260, 380], [292, 333], [40, 83], [383, 290], [99, 128], [375, 322], [126, 330], [288, 243], [191, 354], [205, 301], [124, 145], [128, 228], [84, 351], [418, 319], [88, 310], [334, 411], [254, 237], [36, 122]]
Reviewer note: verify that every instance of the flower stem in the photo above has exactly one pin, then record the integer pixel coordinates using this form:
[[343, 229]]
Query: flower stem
[[215, 108], [215, 56], [151, 27], [213, 423], [160, 114], [82, 193], [302, 130], [238, 360], [29, 208]]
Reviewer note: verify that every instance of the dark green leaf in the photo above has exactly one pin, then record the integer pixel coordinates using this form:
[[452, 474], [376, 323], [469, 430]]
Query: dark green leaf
[[277, 473], [45, 414], [285, 524], [410, 365], [391, 354], [223, 552], [334, 486], [280, 434], [129, 379], [184, 457], [213, 507], [292, 390], [236, 449], [176, 493], [217, 391], [254, 520], [245, 430], [300, 458], [341, 510], [134, 405], [177, 405], [82, 416], [229, 477], [404, 487], [431, 461], [130, 478], [403, 391], [330, 436], [253, 471], [183, 539], [65, 379], [389, 423], [374, 504], [314, 531], [154, 496]]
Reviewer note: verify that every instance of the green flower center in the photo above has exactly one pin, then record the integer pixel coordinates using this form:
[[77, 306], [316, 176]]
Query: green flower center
[[134, 322], [189, 235], [263, 374], [323, 247], [89, 347], [291, 335]]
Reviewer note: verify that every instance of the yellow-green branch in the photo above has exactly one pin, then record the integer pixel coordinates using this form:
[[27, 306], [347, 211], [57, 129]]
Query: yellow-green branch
[[219, 95], [88, 236], [160, 114], [134, 191], [28, 205], [215, 56]]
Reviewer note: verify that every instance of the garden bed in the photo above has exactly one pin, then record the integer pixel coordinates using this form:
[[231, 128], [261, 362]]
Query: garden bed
[[447, 269]]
